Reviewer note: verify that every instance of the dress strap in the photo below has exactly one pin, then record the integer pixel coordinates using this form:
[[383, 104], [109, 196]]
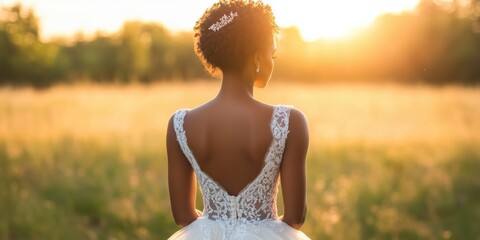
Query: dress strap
[[280, 120], [178, 120], [279, 127]]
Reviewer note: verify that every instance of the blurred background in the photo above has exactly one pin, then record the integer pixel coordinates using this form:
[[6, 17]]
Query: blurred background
[[390, 89]]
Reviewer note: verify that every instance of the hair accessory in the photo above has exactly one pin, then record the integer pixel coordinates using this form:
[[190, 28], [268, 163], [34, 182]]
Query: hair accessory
[[224, 20]]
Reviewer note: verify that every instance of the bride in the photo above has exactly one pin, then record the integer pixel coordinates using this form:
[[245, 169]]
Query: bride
[[236, 147]]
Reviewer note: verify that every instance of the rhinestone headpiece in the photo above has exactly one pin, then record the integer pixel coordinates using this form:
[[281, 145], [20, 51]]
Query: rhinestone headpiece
[[224, 20]]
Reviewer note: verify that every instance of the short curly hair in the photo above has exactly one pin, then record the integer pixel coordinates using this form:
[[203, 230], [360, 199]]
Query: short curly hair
[[229, 47]]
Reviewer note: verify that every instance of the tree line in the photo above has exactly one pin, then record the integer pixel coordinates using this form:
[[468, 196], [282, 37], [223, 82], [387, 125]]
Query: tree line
[[437, 43], [142, 52]]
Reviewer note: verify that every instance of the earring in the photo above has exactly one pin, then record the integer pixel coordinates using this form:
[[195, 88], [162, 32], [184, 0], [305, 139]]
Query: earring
[[258, 68]]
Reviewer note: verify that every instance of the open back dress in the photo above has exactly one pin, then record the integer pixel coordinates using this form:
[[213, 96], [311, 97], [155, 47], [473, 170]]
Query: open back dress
[[252, 213]]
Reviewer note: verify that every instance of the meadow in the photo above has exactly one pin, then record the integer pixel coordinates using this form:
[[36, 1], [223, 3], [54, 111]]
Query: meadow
[[385, 161]]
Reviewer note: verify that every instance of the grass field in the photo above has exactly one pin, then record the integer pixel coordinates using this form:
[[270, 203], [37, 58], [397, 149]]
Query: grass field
[[385, 162]]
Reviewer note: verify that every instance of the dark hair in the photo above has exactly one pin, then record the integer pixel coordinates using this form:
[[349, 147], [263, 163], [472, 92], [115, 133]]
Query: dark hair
[[229, 47]]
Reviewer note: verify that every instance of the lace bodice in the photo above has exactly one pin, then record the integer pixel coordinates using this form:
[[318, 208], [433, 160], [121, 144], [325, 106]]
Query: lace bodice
[[257, 201]]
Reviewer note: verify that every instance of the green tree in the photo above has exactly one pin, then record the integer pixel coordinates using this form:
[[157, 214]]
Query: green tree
[[95, 59], [134, 54], [26, 59]]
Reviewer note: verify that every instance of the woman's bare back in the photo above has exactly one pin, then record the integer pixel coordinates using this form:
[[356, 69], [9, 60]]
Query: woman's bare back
[[230, 140], [228, 137]]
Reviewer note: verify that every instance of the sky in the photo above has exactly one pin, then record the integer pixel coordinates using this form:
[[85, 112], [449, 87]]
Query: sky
[[315, 18]]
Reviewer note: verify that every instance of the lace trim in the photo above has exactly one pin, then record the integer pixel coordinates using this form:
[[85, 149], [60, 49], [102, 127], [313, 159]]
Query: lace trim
[[256, 202]]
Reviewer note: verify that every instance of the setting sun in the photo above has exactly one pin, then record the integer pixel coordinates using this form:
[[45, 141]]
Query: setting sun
[[315, 19], [334, 19]]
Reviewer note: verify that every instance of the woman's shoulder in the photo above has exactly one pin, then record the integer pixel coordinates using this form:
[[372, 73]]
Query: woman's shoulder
[[296, 116], [178, 114], [297, 119], [197, 116], [188, 111], [295, 113]]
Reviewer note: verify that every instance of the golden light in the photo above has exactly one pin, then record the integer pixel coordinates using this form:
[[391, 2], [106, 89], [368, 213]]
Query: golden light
[[68, 17], [334, 19], [315, 19]]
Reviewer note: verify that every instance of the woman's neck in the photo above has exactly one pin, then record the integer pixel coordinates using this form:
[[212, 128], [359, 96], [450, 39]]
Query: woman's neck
[[236, 87]]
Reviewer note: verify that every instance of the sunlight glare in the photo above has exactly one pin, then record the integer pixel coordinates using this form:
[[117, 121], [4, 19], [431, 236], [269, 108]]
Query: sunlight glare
[[315, 19], [334, 19]]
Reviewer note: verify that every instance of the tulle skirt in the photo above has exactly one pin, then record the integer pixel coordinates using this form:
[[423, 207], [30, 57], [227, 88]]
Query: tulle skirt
[[206, 229]]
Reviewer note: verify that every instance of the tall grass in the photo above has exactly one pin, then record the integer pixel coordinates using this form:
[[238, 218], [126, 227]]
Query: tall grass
[[385, 162]]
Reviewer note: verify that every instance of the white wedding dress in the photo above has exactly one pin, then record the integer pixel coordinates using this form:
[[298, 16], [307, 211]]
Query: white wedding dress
[[252, 214]]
